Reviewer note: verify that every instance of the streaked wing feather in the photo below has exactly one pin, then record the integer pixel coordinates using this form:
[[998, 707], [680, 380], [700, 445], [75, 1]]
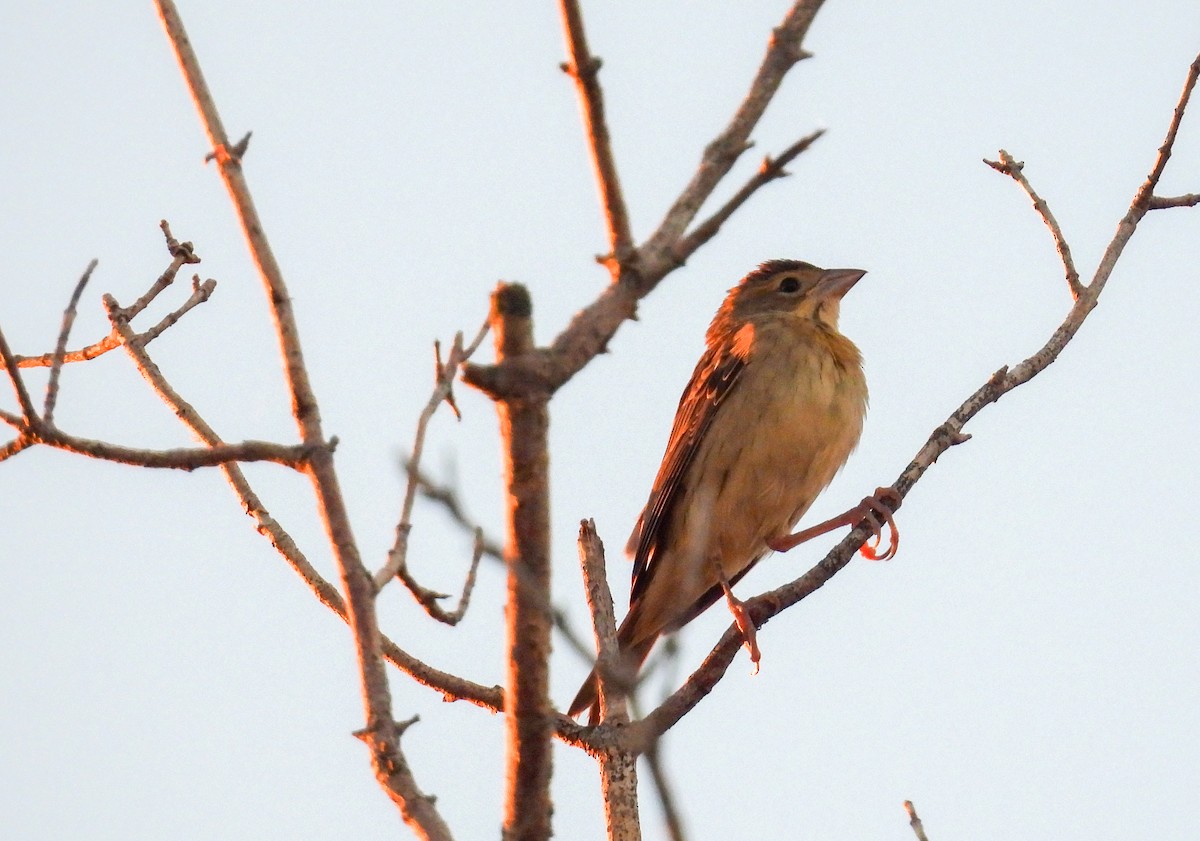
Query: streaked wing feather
[[712, 381]]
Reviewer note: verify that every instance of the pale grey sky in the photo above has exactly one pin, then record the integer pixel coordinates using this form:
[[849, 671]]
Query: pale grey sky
[[1026, 668]]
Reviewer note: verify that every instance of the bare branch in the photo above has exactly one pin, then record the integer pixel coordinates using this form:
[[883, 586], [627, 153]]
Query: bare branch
[[618, 768], [37, 431], [60, 347], [201, 292], [93, 350], [613, 704], [672, 816], [380, 734], [447, 497], [183, 458], [1013, 169], [783, 52], [181, 255], [428, 599], [914, 821], [1163, 202], [524, 430], [28, 413], [14, 446], [443, 392], [768, 171], [1164, 151], [583, 68], [666, 796]]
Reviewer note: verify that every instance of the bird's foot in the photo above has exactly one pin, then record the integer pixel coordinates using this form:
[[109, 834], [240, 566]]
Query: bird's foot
[[745, 625], [876, 509]]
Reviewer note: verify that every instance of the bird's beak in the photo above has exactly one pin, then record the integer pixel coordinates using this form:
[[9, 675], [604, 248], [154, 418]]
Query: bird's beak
[[834, 283]]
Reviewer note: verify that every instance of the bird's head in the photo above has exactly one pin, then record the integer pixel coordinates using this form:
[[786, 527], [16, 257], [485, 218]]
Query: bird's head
[[788, 288]]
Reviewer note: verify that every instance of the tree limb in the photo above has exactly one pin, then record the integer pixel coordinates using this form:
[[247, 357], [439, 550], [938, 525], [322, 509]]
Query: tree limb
[[524, 430], [583, 68], [381, 734]]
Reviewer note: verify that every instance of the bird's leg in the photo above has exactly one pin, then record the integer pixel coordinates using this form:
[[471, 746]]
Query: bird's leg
[[876, 509], [741, 618]]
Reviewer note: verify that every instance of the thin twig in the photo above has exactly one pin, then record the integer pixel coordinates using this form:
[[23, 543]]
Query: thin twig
[[783, 52], [769, 170], [201, 292], [182, 458], [1163, 202], [28, 413], [443, 392], [83, 354], [447, 497], [584, 69], [915, 821], [429, 599], [14, 446], [1164, 151], [181, 255], [60, 347], [1013, 169]]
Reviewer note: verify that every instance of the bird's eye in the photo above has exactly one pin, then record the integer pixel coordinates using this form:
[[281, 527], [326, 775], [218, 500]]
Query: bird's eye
[[789, 286]]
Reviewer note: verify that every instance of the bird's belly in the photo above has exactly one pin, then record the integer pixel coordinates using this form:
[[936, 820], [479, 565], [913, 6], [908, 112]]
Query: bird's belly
[[790, 449]]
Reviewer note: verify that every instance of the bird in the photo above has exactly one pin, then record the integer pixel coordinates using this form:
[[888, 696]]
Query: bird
[[772, 411]]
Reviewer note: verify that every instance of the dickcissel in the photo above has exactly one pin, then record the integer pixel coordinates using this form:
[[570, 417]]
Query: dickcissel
[[771, 413]]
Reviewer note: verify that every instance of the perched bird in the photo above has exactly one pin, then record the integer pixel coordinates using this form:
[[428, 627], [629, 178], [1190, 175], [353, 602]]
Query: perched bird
[[771, 413]]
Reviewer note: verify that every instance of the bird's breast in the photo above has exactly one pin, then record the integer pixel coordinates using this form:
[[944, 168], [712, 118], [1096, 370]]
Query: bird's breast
[[796, 417]]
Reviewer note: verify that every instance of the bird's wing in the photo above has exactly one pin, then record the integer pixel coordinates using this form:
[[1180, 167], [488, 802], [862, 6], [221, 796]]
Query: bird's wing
[[712, 382]]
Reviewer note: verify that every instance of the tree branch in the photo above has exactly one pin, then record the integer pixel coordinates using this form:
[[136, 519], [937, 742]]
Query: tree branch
[[60, 347], [613, 704], [1163, 202], [783, 51], [1012, 168], [914, 821], [182, 458], [181, 254], [28, 413], [443, 392], [584, 68], [769, 170], [381, 734], [618, 768], [524, 428]]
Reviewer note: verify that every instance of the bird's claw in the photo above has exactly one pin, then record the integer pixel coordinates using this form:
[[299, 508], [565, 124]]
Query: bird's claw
[[877, 510], [745, 625]]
